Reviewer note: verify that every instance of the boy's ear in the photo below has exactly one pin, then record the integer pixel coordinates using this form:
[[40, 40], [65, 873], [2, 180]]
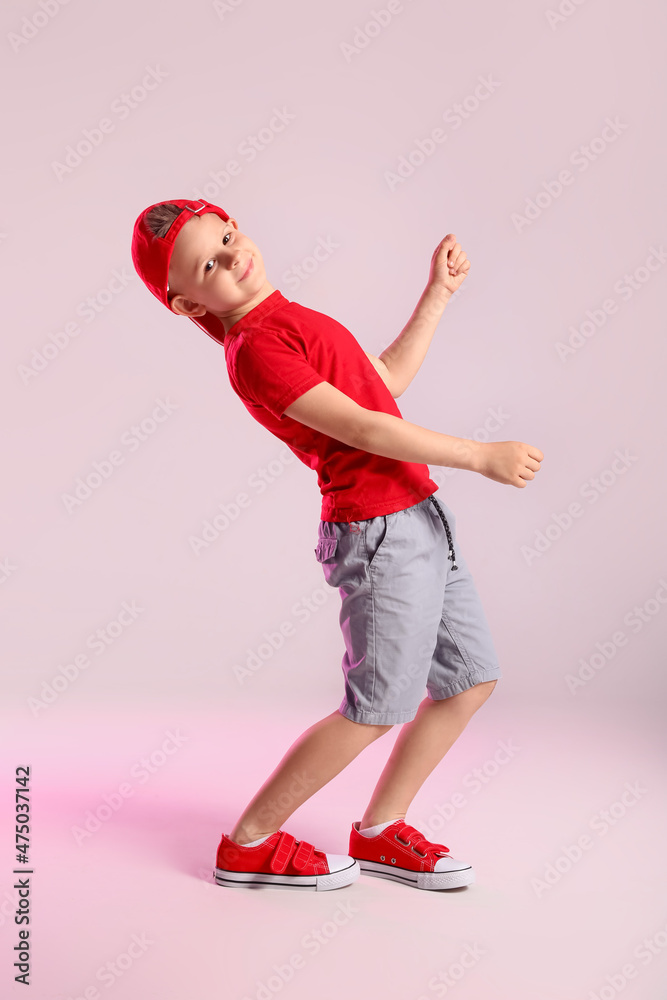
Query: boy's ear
[[186, 307]]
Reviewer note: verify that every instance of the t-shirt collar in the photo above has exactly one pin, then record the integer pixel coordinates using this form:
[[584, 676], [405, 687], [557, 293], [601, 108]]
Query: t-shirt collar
[[258, 312]]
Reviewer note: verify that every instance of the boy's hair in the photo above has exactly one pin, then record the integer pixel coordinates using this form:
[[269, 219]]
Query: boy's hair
[[161, 217]]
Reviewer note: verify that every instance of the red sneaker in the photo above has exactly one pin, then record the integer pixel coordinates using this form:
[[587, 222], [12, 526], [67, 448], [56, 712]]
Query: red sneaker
[[281, 860], [400, 852]]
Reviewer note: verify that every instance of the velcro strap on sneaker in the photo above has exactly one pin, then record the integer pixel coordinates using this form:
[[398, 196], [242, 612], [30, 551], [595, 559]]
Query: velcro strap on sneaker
[[303, 854], [282, 851]]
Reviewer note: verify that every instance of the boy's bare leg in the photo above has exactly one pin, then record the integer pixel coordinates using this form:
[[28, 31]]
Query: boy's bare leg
[[419, 747], [317, 756]]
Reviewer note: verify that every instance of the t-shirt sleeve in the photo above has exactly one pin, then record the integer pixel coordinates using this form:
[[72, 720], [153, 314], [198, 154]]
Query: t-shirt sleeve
[[273, 371]]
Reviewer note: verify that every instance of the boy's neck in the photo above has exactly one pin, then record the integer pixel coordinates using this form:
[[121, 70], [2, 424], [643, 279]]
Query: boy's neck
[[229, 321]]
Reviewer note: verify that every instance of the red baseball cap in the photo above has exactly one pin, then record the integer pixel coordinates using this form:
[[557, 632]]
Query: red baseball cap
[[151, 255]]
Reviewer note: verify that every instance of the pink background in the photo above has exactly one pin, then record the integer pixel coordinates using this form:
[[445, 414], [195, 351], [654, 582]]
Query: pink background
[[219, 74]]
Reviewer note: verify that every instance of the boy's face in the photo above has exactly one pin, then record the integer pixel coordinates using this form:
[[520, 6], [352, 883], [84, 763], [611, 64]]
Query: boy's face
[[207, 267]]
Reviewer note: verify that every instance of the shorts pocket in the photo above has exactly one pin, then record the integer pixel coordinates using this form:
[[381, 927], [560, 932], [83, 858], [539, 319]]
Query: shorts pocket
[[325, 549], [375, 535]]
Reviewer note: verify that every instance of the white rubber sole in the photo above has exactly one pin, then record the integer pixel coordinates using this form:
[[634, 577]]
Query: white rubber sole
[[334, 880], [419, 880]]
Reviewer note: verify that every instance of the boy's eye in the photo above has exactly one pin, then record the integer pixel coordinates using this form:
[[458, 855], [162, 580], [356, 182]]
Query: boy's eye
[[206, 267]]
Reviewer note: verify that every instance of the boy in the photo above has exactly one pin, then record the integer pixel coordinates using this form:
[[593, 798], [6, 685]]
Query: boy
[[409, 618]]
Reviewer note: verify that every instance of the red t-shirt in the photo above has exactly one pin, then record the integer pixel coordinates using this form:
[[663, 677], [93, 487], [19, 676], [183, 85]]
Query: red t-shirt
[[278, 351]]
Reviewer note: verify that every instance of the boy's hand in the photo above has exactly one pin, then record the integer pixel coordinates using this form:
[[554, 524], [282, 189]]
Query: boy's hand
[[508, 462], [449, 266]]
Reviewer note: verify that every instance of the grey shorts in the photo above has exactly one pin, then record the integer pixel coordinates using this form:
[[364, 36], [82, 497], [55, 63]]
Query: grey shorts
[[410, 621]]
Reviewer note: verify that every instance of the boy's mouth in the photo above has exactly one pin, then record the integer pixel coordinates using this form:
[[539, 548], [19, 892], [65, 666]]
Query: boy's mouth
[[248, 269]]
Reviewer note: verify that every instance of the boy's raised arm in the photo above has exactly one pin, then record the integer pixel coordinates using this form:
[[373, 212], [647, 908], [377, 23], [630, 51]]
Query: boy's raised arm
[[328, 410], [403, 358]]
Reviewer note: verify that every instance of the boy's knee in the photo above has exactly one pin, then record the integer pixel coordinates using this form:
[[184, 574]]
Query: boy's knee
[[484, 688], [478, 693]]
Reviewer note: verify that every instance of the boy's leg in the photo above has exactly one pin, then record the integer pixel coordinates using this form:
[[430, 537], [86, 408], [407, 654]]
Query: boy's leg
[[419, 747], [317, 756], [464, 654]]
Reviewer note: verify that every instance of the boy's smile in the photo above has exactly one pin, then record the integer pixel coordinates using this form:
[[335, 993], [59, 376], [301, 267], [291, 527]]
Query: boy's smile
[[248, 269], [216, 268]]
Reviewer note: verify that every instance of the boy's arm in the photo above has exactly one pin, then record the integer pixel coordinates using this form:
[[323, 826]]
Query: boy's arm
[[383, 372], [403, 358], [330, 411]]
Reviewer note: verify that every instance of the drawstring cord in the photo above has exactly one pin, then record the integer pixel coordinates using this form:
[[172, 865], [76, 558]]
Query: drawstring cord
[[449, 534]]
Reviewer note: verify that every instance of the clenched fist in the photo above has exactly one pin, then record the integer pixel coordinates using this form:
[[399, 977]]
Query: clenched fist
[[512, 463], [449, 266]]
